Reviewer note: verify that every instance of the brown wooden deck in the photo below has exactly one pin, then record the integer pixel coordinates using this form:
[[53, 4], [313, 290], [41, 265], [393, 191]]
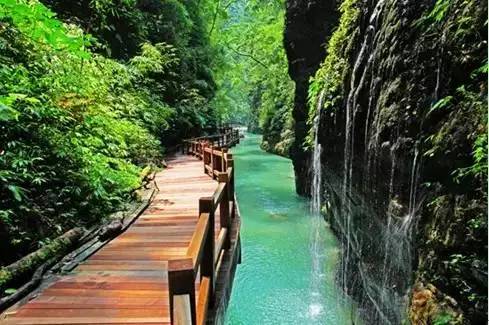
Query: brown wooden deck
[[126, 281]]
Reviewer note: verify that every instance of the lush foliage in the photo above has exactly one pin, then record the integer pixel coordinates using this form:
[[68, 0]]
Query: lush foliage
[[330, 77], [251, 69], [76, 127]]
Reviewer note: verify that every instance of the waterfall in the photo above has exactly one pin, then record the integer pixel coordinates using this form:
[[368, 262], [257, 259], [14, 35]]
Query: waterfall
[[439, 66], [316, 244], [380, 287], [374, 226]]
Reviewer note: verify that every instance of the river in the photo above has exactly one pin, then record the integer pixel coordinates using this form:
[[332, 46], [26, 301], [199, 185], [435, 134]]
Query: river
[[275, 283]]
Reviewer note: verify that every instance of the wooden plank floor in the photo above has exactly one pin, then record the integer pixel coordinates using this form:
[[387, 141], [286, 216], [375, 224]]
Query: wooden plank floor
[[125, 282]]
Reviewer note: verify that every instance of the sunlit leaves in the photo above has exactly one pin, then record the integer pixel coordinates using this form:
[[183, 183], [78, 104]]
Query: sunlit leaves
[[251, 65], [38, 23], [8, 113]]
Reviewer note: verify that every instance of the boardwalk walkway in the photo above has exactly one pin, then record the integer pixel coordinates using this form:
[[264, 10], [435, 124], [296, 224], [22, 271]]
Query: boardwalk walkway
[[126, 281]]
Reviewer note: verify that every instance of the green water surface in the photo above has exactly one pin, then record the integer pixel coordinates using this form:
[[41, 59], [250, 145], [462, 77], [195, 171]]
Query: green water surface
[[274, 284]]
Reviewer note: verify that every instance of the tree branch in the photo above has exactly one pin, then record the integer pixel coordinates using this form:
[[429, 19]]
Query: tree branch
[[247, 55], [214, 19]]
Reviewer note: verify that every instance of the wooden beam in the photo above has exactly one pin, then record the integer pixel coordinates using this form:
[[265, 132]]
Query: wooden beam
[[195, 248], [225, 220], [181, 314], [203, 301], [219, 193], [221, 238], [206, 205], [181, 281]]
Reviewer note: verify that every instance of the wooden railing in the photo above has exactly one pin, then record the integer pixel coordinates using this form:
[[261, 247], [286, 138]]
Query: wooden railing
[[222, 140], [204, 254]]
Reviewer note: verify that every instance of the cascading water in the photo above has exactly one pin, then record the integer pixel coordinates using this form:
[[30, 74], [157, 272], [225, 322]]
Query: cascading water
[[316, 245], [376, 246]]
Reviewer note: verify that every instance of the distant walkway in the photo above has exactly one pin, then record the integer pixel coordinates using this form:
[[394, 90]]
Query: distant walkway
[[126, 281]]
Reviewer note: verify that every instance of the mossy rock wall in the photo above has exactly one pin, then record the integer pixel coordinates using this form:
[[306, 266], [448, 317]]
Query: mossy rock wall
[[405, 83]]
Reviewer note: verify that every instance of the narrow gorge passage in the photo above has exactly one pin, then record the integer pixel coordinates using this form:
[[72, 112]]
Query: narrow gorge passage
[[381, 107], [276, 283]]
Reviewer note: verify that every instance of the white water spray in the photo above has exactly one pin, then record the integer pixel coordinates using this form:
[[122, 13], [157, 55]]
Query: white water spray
[[316, 245]]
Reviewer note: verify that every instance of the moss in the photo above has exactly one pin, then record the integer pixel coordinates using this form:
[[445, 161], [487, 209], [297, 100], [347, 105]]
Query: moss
[[469, 107], [334, 69], [16, 273]]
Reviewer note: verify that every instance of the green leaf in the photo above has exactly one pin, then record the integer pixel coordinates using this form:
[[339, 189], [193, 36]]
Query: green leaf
[[16, 192], [445, 101], [7, 113]]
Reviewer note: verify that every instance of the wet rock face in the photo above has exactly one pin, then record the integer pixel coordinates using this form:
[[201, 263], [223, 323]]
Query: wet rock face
[[307, 27], [391, 157]]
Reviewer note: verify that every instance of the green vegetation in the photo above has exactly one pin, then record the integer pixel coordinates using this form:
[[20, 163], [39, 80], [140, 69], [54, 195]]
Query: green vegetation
[[251, 69], [458, 23], [331, 75], [93, 91], [77, 127], [443, 319]]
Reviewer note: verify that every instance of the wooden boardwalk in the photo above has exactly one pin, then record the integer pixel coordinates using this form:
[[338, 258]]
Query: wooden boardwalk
[[126, 281]]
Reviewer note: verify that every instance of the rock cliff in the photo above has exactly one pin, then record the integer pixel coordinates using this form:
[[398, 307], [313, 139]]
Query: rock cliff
[[401, 105]]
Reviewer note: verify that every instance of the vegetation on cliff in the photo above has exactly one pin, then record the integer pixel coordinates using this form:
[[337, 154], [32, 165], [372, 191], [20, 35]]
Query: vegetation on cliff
[[403, 88], [330, 79]]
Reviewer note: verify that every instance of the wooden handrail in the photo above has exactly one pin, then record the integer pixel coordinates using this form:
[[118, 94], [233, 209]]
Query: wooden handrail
[[224, 140], [221, 239], [204, 252], [218, 194], [181, 286], [203, 301], [195, 249]]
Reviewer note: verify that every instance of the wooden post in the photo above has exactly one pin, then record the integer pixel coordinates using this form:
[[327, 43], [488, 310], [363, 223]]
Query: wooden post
[[225, 221], [181, 282], [218, 162], [206, 205], [223, 160], [230, 164], [204, 156], [212, 161]]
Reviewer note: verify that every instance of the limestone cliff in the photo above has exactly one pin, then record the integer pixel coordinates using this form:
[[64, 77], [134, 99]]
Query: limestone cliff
[[402, 105], [308, 25]]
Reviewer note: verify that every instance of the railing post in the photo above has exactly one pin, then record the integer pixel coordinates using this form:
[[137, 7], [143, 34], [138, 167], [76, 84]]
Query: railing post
[[230, 164], [225, 221], [206, 205], [212, 161], [218, 162], [223, 160], [181, 288], [204, 156]]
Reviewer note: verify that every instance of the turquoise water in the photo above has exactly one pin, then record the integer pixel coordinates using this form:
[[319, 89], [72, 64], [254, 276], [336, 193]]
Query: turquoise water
[[275, 284]]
